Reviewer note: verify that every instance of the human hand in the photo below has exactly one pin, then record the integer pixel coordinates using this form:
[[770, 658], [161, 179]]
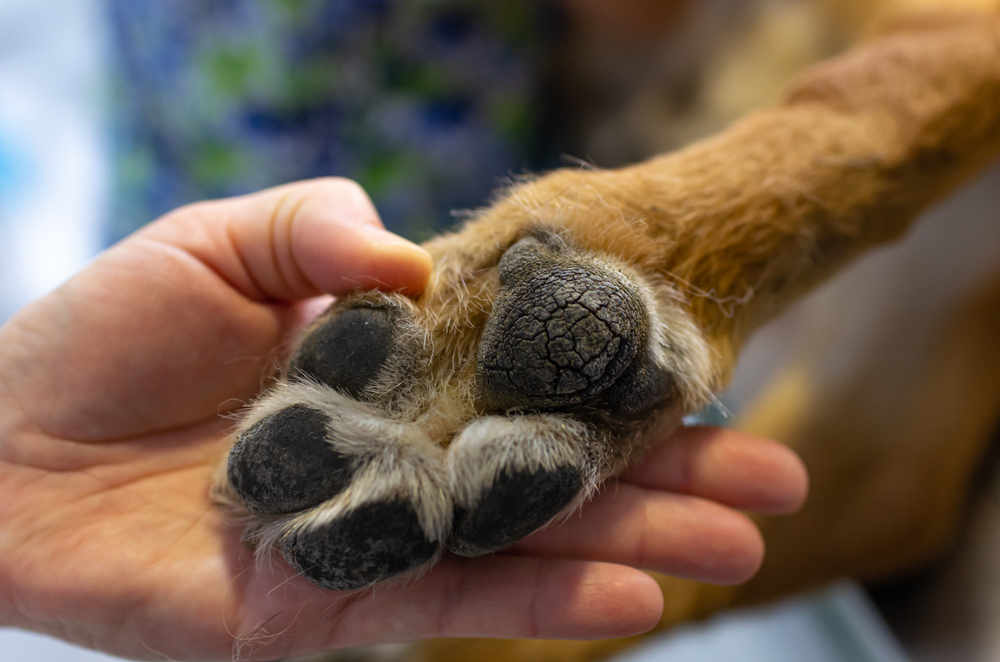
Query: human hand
[[111, 390]]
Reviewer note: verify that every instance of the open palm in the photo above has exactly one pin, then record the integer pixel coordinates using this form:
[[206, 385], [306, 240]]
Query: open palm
[[111, 390]]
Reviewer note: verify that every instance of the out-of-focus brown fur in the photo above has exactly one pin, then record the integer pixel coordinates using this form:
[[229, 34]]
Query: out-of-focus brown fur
[[743, 223]]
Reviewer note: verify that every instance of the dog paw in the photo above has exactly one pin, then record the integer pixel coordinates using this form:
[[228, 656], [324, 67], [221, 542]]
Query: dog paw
[[466, 420]]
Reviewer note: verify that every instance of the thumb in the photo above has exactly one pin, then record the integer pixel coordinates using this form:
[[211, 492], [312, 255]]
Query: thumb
[[296, 241]]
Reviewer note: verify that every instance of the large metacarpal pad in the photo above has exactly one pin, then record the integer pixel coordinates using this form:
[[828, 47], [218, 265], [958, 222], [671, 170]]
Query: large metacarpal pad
[[562, 331]]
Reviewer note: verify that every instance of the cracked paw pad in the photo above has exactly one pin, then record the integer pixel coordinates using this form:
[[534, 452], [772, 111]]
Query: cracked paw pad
[[561, 332], [284, 463], [373, 542]]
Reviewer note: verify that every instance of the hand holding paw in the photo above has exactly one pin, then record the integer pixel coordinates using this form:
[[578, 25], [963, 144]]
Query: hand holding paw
[[111, 390]]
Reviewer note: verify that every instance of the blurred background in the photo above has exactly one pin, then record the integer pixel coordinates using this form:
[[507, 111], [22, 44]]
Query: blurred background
[[113, 112]]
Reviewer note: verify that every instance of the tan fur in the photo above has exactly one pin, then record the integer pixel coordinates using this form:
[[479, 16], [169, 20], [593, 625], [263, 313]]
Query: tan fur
[[746, 221]]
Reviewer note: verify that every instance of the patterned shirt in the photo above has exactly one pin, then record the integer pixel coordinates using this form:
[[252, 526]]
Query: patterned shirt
[[428, 104]]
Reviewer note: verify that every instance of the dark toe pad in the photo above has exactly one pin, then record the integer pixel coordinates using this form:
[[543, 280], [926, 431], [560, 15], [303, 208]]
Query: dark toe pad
[[348, 350], [284, 463], [518, 503], [370, 543]]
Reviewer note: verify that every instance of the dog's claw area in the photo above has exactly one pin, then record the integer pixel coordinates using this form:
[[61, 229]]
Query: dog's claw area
[[373, 542], [347, 351], [518, 503], [283, 463]]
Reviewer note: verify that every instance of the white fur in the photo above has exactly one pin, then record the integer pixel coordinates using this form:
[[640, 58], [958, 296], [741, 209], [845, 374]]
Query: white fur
[[491, 444]]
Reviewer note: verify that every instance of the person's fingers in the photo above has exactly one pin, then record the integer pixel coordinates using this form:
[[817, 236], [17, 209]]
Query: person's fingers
[[676, 534], [505, 596], [497, 596], [728, 466], [296, 241]]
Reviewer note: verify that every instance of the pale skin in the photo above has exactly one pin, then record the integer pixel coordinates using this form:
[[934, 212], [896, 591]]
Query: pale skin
[[111, 390]]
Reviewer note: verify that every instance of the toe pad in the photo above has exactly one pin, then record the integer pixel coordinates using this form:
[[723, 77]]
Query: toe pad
[[518, 503], [283, 463], [368, 544]]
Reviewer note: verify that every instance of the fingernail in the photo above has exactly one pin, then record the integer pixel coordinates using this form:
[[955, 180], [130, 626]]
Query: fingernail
[[394, 247]]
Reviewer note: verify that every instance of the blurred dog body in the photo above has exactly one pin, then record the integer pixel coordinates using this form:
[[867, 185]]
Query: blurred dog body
[[885, 380]]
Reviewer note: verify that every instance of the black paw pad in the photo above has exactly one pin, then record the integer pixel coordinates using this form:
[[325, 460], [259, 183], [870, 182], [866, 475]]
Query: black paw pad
[[561, 332], [284, 463], [517, 504], [370, 543], [641, 390], [348, 350]]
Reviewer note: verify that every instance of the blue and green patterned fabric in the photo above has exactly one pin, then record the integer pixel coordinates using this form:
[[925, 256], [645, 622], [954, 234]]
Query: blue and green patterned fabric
[[428, 104]]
